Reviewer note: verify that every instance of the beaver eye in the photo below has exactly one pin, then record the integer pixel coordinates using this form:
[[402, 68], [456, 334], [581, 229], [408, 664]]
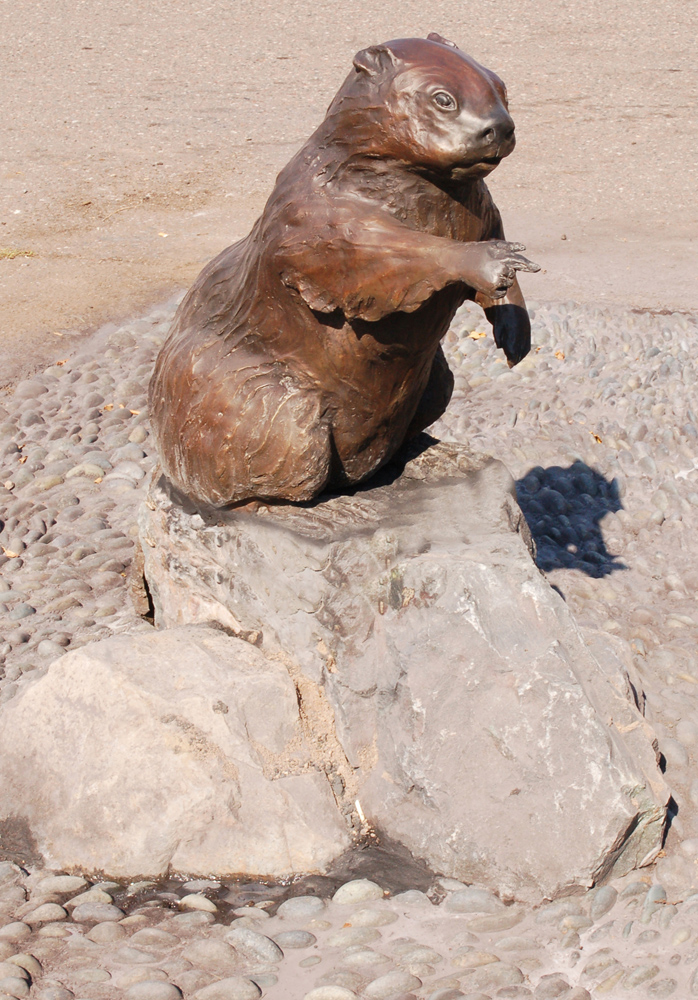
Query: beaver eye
[[444, 101]]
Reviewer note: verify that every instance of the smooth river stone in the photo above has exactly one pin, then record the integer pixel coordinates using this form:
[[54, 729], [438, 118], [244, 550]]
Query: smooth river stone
[[233, 988], [604, 899], [60, 884], [91, 896], [473, 900], [46, 914], [106, 933], [330, 993], [154, 937], [212, 955], [347, 936], [97, 913], [373, 918], [8, 969], [13, 986], [195, 901], [16, 930], [391, 984], [301, 907], [254, 945], [153, 990], [358, 891], [295, 939]]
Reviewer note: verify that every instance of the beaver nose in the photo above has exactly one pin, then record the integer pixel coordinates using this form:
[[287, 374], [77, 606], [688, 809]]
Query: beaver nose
[[497, 132]]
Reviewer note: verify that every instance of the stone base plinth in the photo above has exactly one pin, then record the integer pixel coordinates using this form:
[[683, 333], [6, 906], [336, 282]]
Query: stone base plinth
[[449, 695]]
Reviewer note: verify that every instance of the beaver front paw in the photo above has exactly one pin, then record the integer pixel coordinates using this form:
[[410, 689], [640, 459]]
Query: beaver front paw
[[492, 266]]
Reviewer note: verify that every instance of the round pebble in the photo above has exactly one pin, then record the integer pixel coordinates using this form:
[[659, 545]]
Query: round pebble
[[50, 649], [496, 975], [195, 901], [97, 913], [359, 891], [294, 939], [154, 937], [53, 931], [60, 884], [360, 957], [153, 990], [93, 895], [473, 900], [11, 971], [211, 954], [16, 930], [189, 921], [140, 974], [13, 986], [604, 900], [310, 961], [200, 884], [106, 933], [301, 907], [496, 921], [471, 959], [373, 917], [330, 993], [92, 976], [390, 984], [661, 988], [233, 988], [45, 914], [352, 935], [132, 956], [253, 944], [551, 987]]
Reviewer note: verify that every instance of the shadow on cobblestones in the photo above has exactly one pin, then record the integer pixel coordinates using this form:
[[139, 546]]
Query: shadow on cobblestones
[[564, 508]]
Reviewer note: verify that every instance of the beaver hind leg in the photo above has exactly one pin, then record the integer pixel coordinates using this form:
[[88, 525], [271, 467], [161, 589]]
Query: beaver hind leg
[[256, 435], [435, 398]]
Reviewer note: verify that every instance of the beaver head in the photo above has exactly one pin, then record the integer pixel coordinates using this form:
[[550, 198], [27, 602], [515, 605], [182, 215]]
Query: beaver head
[[424, 102]]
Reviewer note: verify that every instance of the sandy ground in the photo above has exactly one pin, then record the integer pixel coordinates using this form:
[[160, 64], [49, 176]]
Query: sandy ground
[[137, 140]]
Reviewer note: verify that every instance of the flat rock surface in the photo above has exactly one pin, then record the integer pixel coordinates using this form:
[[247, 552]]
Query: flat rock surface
[[210, 770]]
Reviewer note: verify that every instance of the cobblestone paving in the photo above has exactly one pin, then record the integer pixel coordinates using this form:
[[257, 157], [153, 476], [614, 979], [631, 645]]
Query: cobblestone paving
[[599, 426]]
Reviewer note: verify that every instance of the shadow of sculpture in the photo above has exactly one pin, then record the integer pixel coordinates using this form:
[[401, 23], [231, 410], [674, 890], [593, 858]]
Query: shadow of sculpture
[[564, 509]]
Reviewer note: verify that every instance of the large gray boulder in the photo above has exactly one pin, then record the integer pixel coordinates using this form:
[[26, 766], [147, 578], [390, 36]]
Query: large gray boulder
[[452, 699], [182, 749]]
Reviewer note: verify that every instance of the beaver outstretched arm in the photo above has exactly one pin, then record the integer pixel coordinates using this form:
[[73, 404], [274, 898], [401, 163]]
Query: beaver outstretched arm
[[369, 266], [511, 325]]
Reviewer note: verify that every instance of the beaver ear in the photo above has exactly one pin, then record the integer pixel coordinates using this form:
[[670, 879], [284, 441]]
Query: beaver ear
[[434, 36], [374, 60]]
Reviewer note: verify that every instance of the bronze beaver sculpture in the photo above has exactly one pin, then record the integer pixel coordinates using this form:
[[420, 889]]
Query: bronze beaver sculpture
[[306, 354]]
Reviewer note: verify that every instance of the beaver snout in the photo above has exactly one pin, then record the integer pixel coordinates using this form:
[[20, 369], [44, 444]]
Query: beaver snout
[[494, 141], [497, 133]]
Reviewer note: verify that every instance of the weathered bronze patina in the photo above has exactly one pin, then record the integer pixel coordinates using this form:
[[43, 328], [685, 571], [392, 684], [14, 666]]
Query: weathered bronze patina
[[306, 354]]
